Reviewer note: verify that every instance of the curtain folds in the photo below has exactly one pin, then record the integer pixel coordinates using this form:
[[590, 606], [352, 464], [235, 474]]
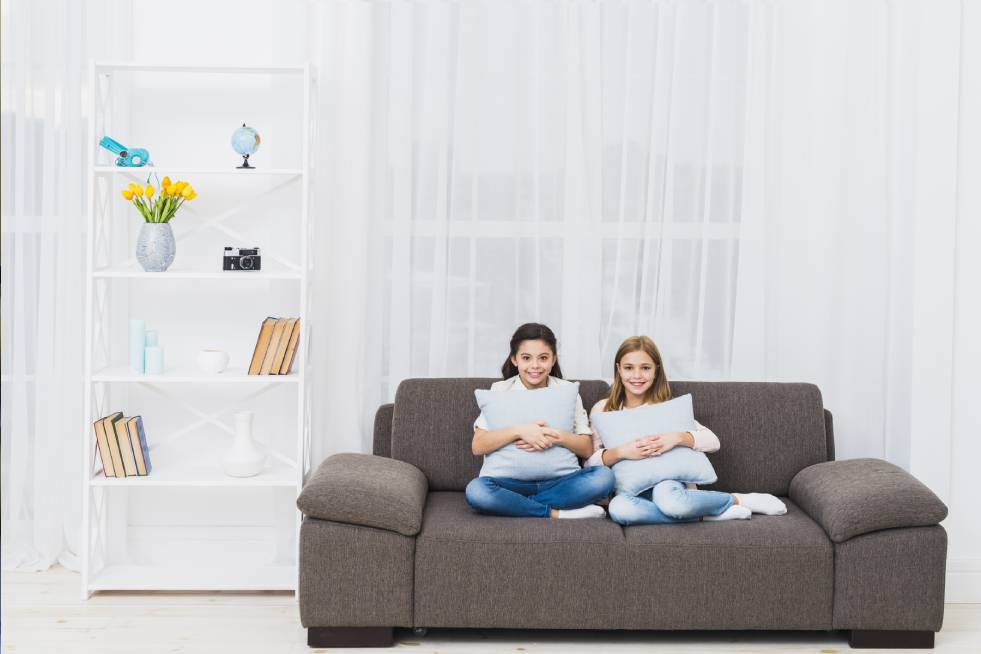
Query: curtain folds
[[576, 163], [46, 49]]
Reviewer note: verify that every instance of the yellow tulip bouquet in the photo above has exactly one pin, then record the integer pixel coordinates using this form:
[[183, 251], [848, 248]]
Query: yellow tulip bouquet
[[161, 209]]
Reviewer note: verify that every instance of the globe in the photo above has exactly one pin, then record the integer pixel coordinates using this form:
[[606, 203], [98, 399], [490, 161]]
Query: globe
[[245, 141]]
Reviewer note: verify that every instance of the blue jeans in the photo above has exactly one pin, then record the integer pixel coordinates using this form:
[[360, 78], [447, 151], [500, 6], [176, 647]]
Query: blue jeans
[[668, 502], [513, 497]]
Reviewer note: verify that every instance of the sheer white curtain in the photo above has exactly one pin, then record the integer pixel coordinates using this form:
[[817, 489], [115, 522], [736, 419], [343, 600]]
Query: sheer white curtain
[[46, 49], [856, 123], [745, 182], [572, 163]]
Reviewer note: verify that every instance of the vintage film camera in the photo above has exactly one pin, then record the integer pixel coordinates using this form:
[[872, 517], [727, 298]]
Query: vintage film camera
[[242, 259]]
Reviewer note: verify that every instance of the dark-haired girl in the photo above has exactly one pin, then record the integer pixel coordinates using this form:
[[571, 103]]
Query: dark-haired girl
[[571, 491]]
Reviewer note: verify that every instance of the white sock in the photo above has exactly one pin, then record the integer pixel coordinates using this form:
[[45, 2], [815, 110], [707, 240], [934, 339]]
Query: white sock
[[589, 511], [761, 503], [734, 512]]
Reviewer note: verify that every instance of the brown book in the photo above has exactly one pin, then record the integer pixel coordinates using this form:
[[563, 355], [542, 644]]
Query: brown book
[[261, 345], [109, 425], [102, 444], [291, 349], [284, 342], [125, 447], [277, 334]]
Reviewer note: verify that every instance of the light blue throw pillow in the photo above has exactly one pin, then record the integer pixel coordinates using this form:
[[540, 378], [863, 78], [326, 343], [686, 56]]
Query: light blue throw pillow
[[681, 463], [556, 405]]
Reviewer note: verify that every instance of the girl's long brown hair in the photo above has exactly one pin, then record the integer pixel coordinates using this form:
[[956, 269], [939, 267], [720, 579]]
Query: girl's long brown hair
[[659, 391]]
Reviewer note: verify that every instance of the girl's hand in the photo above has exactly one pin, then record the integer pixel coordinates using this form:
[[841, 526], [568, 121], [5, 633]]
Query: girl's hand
[[532, 436], [557, 437], [660, 443], [633, 451]]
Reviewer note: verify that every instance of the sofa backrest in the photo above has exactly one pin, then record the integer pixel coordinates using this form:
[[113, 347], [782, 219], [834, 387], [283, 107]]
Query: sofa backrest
[[432, 426], [768, 431]]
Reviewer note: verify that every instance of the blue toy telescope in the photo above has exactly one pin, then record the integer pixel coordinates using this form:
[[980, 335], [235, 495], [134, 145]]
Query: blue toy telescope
[[128, 157]]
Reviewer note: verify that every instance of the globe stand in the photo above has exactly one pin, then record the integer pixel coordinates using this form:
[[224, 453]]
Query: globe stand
[[245, 162]]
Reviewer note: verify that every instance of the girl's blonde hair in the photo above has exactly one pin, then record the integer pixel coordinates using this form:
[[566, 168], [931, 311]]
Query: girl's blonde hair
[[659, 391]]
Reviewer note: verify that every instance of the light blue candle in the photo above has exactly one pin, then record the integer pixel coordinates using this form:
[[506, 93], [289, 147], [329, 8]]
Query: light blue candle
[[137, 342], [152, 338], [154, 360]]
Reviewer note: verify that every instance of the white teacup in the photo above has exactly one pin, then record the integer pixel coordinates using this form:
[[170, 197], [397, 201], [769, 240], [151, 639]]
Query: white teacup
[[212, 360]]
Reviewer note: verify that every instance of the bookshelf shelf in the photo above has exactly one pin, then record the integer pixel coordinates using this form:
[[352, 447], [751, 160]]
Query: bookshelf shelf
[[191, 170], [276, 474], [191, 430], [121, 374], [223, 275]]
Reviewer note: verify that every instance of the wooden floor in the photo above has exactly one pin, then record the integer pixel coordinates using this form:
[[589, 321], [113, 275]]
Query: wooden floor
[[42, 613]]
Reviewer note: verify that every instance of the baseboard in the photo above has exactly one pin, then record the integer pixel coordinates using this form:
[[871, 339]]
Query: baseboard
[[963, 581]]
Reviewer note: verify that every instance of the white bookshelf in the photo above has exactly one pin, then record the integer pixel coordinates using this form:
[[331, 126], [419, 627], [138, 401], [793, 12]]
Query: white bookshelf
[[113, 279]]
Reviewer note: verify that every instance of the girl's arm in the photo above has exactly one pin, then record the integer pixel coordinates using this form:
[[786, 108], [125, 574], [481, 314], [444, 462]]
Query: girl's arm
[[579, 444], [487, 441], [702, 439]]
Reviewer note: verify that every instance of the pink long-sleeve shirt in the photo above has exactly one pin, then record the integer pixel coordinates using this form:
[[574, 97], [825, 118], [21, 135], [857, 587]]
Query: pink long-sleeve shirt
[[705, 441]]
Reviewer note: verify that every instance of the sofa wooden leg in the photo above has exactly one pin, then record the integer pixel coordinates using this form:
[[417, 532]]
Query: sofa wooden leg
[[350, 637], [870, 639]]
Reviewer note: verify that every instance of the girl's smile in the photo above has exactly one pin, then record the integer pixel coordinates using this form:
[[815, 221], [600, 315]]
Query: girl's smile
[[534, 361], [637, 371]]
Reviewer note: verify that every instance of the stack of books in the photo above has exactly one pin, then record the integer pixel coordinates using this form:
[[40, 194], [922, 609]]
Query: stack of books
[[121, 443], [275, 347]]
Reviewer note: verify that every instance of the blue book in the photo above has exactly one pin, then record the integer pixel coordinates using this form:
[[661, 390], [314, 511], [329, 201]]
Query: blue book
[[140, 449]]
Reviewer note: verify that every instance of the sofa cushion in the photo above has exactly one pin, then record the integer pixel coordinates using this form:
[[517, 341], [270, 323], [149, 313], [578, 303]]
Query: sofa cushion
[[366, 490], [497, 572], [683, 464], [555, 405], [770, 572], [856, 496], [432, 426], [769, 431], [475, 571]]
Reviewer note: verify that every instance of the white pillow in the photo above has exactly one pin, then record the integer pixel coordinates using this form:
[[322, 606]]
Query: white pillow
[[681, 463], [556, 405]]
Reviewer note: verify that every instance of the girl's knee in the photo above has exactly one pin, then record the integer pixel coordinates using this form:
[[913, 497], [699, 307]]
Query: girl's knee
[[621, 510], [478, 492], [670, 498], [603, 478]]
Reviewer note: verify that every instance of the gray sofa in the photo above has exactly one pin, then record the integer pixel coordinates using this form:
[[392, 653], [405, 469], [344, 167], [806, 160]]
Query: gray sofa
[[389, 541]]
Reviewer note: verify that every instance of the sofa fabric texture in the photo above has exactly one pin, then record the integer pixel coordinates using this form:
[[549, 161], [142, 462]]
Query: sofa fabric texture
[[770, 572], [891, 579], [476, 571], [496, 572], [854, 497], [368, 490], [353, 576], [381, 444]]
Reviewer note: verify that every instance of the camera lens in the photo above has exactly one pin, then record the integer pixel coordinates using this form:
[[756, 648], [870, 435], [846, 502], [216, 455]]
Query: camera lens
[[246, 263]]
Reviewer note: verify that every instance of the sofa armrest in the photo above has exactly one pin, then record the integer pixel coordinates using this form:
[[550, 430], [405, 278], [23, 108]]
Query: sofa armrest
[[858, 496], [366, 490]]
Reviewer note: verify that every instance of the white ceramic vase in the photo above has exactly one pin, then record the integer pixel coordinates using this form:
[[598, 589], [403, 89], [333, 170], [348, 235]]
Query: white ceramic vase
[[246, 458]]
